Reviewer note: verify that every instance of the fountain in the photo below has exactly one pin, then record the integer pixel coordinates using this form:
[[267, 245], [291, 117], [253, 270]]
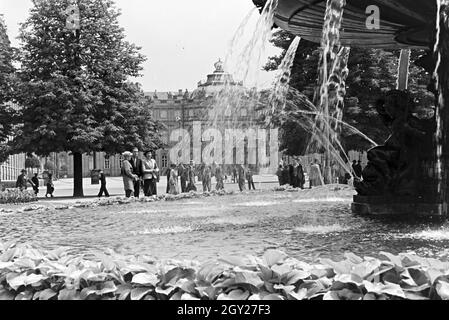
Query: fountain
[[409, 174]]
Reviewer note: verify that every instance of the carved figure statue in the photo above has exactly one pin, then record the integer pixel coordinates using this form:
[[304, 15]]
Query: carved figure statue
[[394, 168]]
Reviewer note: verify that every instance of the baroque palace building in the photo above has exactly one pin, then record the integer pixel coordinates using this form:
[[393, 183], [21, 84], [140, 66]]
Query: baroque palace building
[[176, 110]]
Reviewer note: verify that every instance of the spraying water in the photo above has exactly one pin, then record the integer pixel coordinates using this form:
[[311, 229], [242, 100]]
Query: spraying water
[[440, 105]]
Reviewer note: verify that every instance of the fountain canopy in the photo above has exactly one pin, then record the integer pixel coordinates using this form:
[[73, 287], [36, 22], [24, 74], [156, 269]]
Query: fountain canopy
[[403, 23]]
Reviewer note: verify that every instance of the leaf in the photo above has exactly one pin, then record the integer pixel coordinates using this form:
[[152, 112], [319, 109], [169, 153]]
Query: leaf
[[272, 257], [343, 267], [281, 270], [145, 279], [123, 291], [189, 297], [301, 294], [442, 289], [353, 258], [391, 289], [394, 259], [6, 295], [166, 292], [26, 295], [296, 275], [209, 272], [139, 293], [238, 294], [273, 297], [46, 294], [248, 278], [15, 281], [67, 294], [366, 268]]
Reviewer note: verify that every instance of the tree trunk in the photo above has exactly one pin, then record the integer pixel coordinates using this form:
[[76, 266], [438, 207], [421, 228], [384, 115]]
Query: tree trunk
[[78, 175]]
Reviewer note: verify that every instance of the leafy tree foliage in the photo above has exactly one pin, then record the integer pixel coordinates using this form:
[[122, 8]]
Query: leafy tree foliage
[[74, 84], [6, 91], [372, 72]]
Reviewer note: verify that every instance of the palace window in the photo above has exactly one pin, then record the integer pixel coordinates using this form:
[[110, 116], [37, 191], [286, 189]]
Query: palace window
[[164, 161], [107, 163], [164, 114]]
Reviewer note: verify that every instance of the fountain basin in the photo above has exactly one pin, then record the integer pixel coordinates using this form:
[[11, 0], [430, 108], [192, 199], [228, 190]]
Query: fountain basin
[[403, 23]]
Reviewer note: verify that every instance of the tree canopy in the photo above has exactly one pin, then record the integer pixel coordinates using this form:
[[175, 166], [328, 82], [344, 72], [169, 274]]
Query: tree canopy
[[372, 72], [6, 91], [74, 90]]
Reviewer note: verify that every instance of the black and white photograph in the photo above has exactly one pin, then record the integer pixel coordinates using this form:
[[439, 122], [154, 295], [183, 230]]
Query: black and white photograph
[[224, 150]]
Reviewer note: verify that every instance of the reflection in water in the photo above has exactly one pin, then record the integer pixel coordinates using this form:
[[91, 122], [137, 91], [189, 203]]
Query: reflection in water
[[211, 227]]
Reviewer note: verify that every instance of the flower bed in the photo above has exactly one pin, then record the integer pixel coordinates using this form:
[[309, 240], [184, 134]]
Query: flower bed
[[27, 273], [15, 196]]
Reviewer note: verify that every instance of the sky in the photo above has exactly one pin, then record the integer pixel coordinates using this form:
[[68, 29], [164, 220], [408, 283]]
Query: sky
[[181, 39]]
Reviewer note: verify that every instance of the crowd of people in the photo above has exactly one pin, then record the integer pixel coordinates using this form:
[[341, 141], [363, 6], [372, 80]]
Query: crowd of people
[[23, 180], [144, 173]]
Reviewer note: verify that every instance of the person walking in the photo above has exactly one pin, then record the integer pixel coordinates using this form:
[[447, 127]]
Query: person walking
[[191, 178], [219, 178], [136, 164], [167, 190], [35, 181], [129, 178], [250, 178], [150, 174], [316, 178], [300, 176], [173, 181], [103, 188], [279, 175], [23, 180], [286, 174], [241, 178], [207, 178], [183, 173], [50, 186], [234, 174]]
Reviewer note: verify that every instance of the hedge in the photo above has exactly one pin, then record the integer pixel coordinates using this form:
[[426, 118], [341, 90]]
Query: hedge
[[27, 273], [15, 196]]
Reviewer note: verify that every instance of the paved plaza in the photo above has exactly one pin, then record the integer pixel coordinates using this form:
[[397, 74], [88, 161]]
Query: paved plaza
[[64, 187]]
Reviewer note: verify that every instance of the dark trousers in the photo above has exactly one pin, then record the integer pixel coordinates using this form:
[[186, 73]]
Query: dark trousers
[[128, 193], [241, 185], [251, 184], [150, 187], [137, 188], [103, 190], [183, 185]]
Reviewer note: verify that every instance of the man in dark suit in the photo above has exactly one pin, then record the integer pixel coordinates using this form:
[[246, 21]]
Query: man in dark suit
[[103, 185], [136, 163]]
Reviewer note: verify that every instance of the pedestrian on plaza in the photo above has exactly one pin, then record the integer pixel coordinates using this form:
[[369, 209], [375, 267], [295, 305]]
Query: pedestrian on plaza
[[219, 178], [234, 174], [136, 163], [286, 174], [149, 171], [279, 175], [168, 180], [191, 177], [241, 178], [184, 174], [250, 178], [300, 176], [207, 178], [129, 178], [50, 186], [23, 180], [316, 177], [292, 175], [173, 181], [103, 188], [35, 181]]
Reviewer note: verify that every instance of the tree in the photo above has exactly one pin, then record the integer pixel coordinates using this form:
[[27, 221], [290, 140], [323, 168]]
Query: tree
[[6, 90], [32, 162], [372, 72], [74, 89]]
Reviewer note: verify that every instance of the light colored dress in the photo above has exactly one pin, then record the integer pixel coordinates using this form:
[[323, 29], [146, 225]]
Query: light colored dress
[[173, 182], [128, 177]]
